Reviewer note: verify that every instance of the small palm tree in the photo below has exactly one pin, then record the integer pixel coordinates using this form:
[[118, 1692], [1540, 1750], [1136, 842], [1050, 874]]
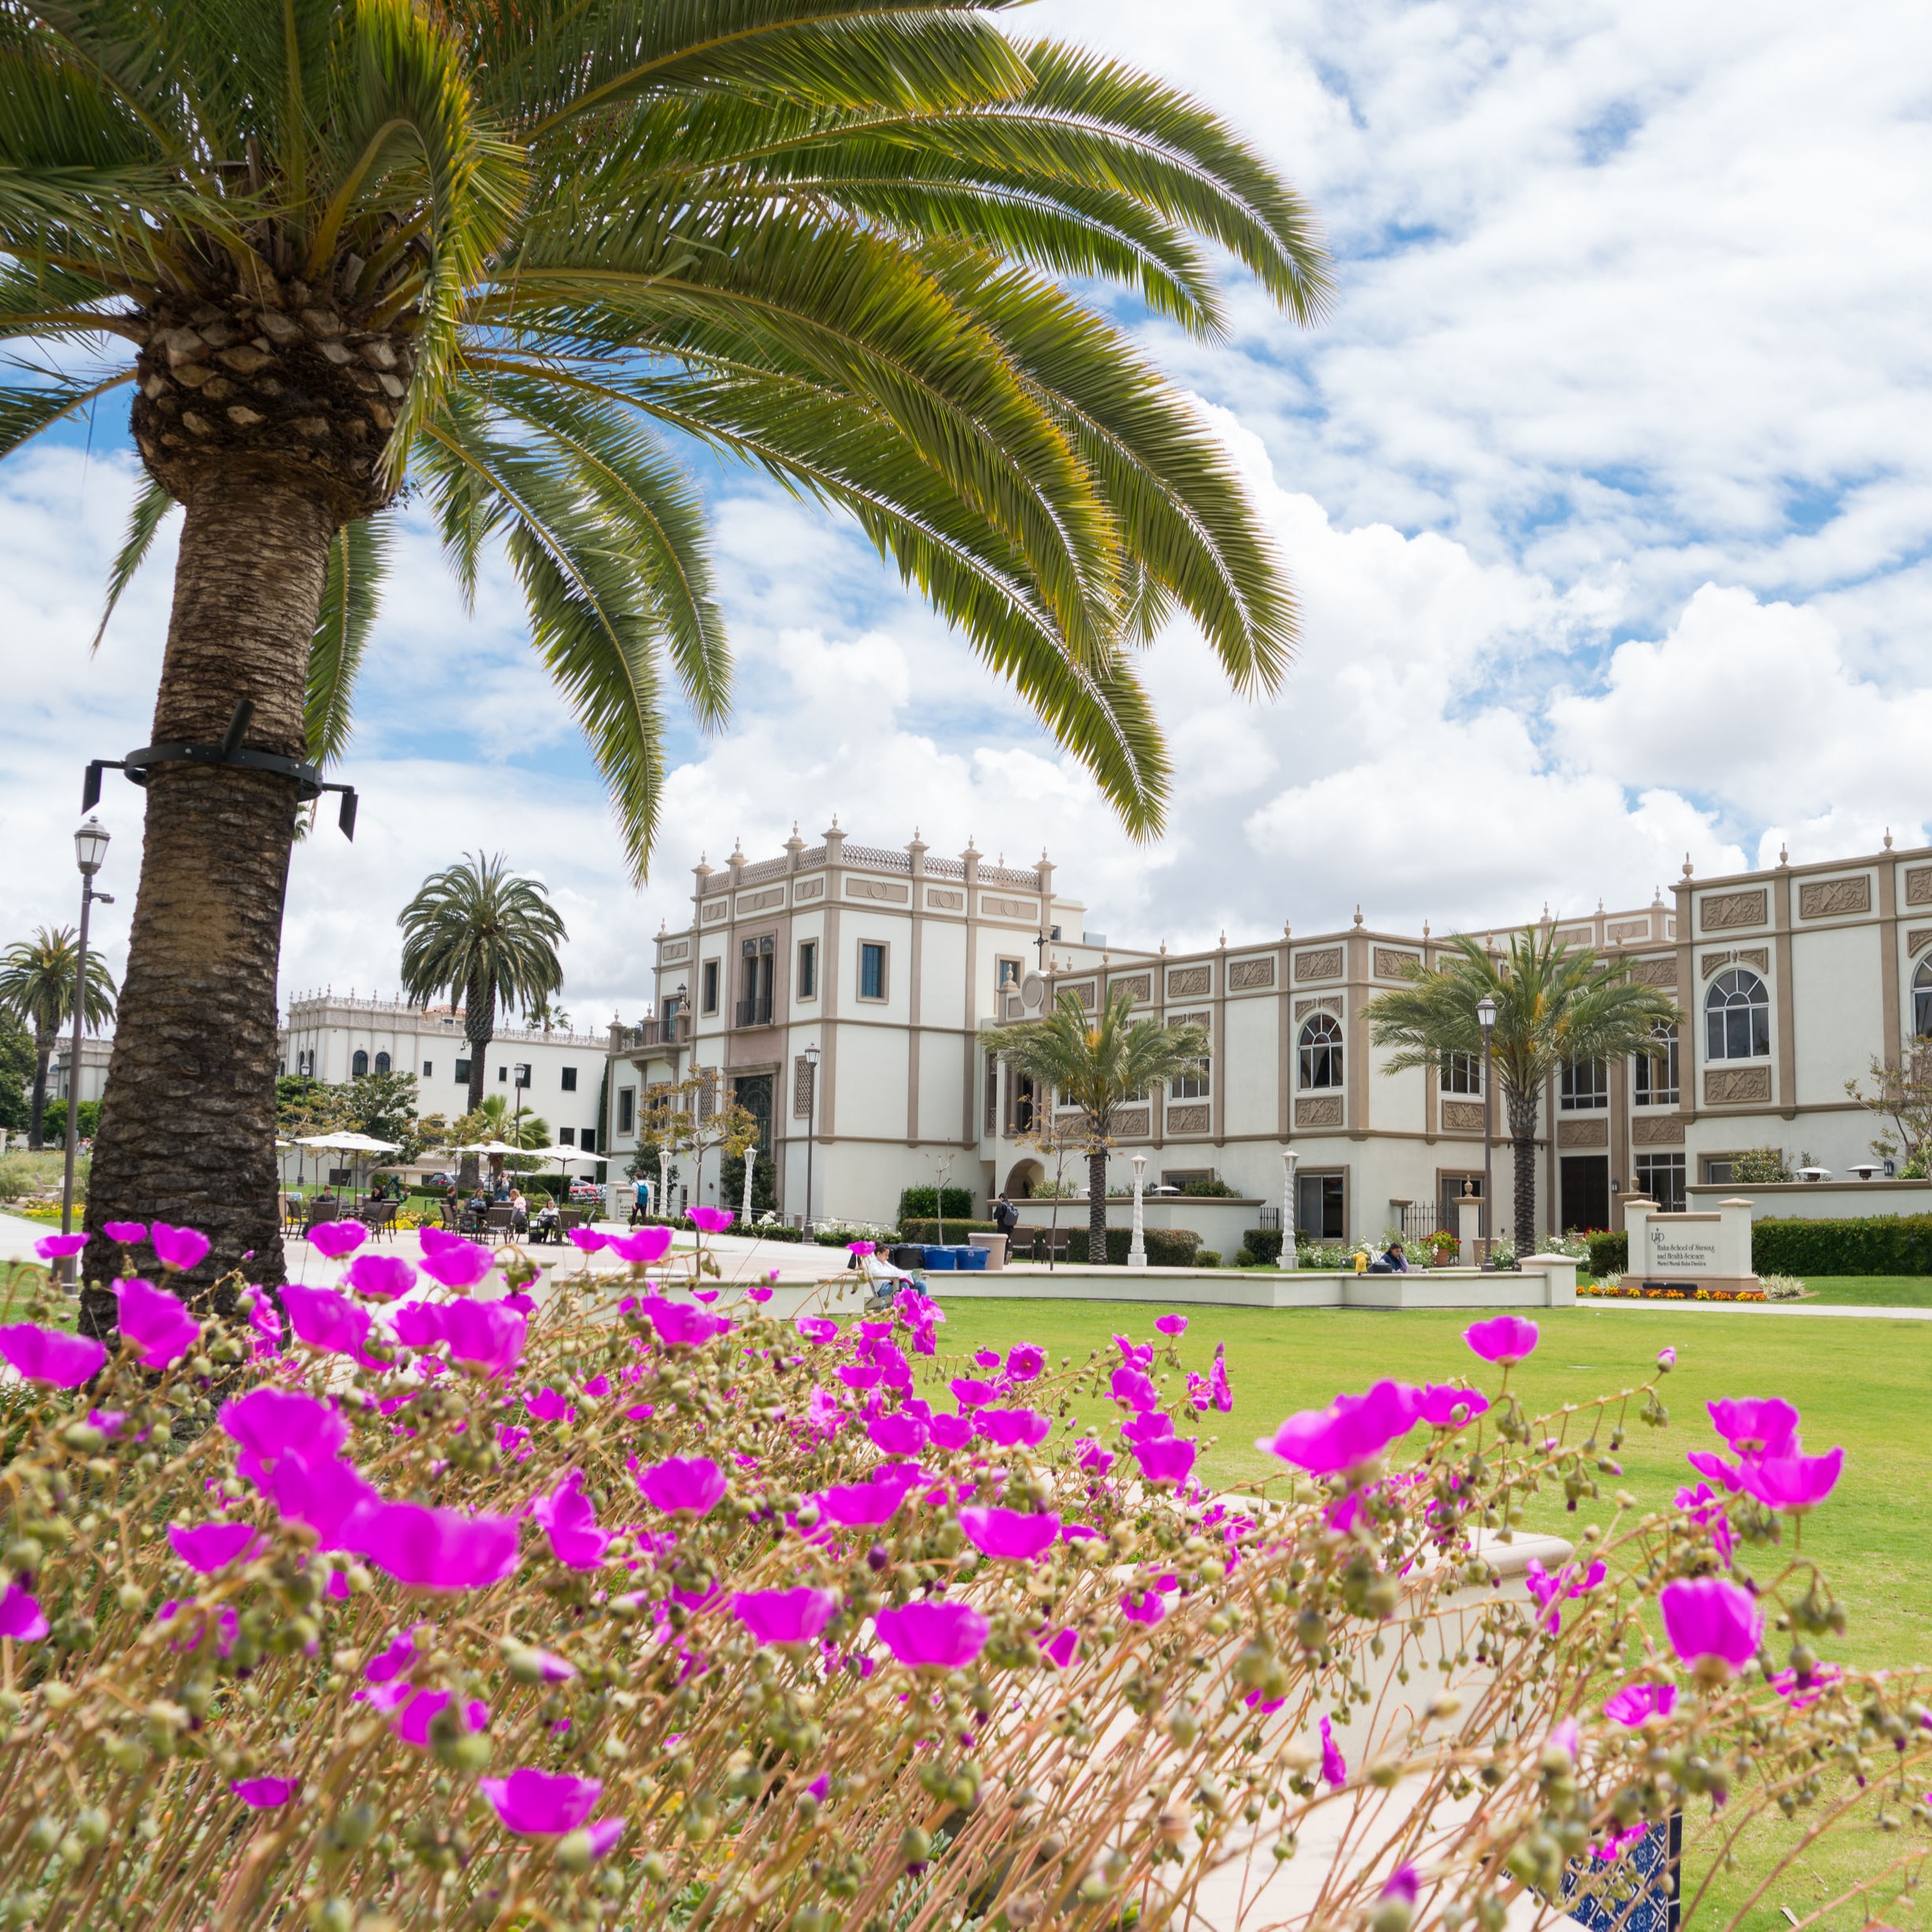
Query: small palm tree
[[1554, 1007], [1096, 1065], [37, 983], [483, 933]]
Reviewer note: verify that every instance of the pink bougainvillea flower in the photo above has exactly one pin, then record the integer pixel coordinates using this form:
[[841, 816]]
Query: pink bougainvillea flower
[[712, 1220], [397, 1657], [1134, 1354], [57, 1247], [641, 1249], [818, 1329], [683, 1486], [952, 1432], [862, 1505], [416, 1710], [1793, 1483], [431, 1549], [1707, 1463], [265, 1794], [1756, 1425], [546, 1405], [1351, 1431], [1025, 1363], [161, 1329], [382, 1277], [326, 1493], [900, 1434], [1334, 1766], [681, 1326], [785, 1616], [1635, 1703], [1012, 1535], [1168, 1461], [1092, 1458], [854, 1377], [336, 1238], [1712, 1623], [327, 1320], [1013, 1429], [484, 1335], [1133, 1388], [213, 1546], [1148, 1425], [177, 1248], [986, 1358], [269, 1424], [589, 1240], [1171, 1324], [969, 1393], [20, 1617], [460, 1264], [707, 1295], [1060, 1649], [130, 1233], [50, 1355], [1550, 1591], [1222, 1394], [540, 1804], [1444, 1406], [758, 1293], [570, 1523], [935, 1636], [1144, 1606], [1507, 1339], [265, 1321]]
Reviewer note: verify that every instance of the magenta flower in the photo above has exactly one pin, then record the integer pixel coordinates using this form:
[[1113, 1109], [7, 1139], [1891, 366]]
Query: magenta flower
[[818, 1329], [546, 1405], [397, 1659], [861, 1248], [785, 1616], [1507, 1339], [683, 1486], [382, 1277], [1705, 1508], [1713, 1623], [1756, 1425], [1133, 1388], [540, 1804], [1012, 1535], [952, 1432], [1442, 1404], [969, 1393], [431, 1549], [130, 1233], [982, 1358], [176, 1248], [327, 1320], [263, 1318], [641, 1249], [268, 1424], [265, 1794], [1635, 1702], [1707, 1463], [899, 1435], [327, 1493], [937, 1636], [50, 1355], [1404, 1883], [1025, 1363], [1334, 1766], [1171, 1324], [862, 1505], [570, 1523], [1168, 1461], [161, 1329], [1092, 1458], [214, 1545], [435, 1241], [411, 1712], [1148, 1425], [589, 1240], [1060, 1649], [1014, 1428], [57, 1247], [1666, 1360], [1144, 1606], [1614, 1846], [484, 1334], [461, 1264], [680, 1326], [333, 1239], [1793, 1483], [20, 1617], [712, 1220], [1134, 1354], [758, 1293], [1353, 1430]]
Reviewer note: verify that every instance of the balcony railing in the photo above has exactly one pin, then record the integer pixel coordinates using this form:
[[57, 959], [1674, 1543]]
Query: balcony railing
[[753, 1012], [676, 1031]]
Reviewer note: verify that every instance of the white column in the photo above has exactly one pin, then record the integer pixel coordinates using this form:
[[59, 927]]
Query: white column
[[662, 1204], [750, 1159], [1137, 1251], [1289, 1258]]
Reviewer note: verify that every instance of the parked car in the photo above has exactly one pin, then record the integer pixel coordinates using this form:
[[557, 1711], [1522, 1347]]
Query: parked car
[[586, 1191]]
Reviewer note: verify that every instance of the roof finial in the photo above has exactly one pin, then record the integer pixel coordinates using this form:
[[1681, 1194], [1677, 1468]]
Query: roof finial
[[1688, 867], [1784, 854], [1358, 913], [1287, 931], [1425, 928], [1887, 838]]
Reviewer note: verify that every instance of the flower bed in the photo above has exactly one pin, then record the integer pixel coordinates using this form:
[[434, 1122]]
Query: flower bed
[[409, 1602], [1612, 1289]]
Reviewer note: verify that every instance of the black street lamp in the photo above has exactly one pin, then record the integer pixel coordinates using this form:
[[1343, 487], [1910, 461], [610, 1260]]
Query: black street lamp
[[1485, 1018], [90, 855], [811, 1124]]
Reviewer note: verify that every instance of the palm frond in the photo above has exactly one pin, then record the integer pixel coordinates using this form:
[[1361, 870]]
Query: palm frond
[[358, 560], [151, 508], [26, 411]]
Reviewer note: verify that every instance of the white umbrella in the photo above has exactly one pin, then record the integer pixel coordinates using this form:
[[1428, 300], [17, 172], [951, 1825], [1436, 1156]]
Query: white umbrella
[[347, 1143], [490, 1147]]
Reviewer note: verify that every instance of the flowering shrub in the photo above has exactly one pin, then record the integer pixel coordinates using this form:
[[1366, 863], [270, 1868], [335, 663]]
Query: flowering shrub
[[639, 1606], [1614, 1287]]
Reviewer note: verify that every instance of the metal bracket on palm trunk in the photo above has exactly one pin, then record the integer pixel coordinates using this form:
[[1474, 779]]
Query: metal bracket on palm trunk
[[138, 765]]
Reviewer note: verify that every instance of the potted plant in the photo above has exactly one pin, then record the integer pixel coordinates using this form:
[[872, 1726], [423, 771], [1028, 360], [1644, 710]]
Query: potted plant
[[1445, 1248]]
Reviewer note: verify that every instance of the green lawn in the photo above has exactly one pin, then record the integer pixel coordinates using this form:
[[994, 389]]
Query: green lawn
[[1871, 1291], [1860, 1383]]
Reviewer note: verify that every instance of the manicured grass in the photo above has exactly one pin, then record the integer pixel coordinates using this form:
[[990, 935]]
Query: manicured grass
[[1860, 1383], [1871, 1291]]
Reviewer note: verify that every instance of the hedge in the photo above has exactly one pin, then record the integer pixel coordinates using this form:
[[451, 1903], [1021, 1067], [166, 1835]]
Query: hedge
[[1610, 1251], [1262, 1245], [926, 1233], [1882, 1244], [918, 1204]]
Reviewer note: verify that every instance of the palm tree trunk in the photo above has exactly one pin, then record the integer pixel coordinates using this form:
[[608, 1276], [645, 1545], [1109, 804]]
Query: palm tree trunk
[[1097, 1205], [479, 1029], [1523, 1148], [36, 1119], [187, 1132]]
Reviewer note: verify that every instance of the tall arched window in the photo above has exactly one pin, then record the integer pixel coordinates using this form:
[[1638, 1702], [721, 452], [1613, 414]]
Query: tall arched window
[[1921, 999], [1737, 1017], [382, 1063], [1321, 1051], [359, 1062]]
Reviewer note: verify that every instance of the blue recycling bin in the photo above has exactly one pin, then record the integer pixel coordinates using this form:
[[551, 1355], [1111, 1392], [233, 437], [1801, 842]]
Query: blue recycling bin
[[939, 1258], [974, 1259]]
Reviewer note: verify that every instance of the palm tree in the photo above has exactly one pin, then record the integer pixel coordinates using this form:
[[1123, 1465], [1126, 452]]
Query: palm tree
[[1096, 1064], [518, 257], [481, 932], [1554, 1008], [37, 985]]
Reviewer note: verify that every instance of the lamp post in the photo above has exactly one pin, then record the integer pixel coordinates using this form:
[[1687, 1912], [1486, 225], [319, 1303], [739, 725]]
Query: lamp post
[[1137, 1252], [1485, 1018], [1290, 1258], [90, 855], [750, 1157], [811, 1124]]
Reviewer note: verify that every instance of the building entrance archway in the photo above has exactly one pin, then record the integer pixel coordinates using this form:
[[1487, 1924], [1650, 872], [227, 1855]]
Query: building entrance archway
[[1025, 1176]]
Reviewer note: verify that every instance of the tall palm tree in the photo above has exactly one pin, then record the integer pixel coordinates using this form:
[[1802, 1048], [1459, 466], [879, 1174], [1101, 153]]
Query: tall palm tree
[[518, 257], [1554, 1007], [37, 979], [1096, 1063], [482, 933]]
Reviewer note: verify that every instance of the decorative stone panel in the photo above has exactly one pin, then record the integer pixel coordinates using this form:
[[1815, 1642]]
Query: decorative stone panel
[[1326, 964], [1657, 1131], [1190, 982], [1655, 972], [1576, 935], [1918, 885], [1323, 1110], [891, 892], [1919, 938], [1191, 1019], [1726, 912], [1627, 929], [1391, 963], [1462, 1116], [991, 908], [1132, 1123], [1139, 988], [1188, 1120], [678, 949], [1012, 1010], [808, 888], [714, 908], [1834, 898], [1757, 956], [1711, 963], [1083, 992], [1331, 1004], [1737, 1086], [802, 1087], [1245, 975], [945, 902], [759, 902], [1583, 1133]]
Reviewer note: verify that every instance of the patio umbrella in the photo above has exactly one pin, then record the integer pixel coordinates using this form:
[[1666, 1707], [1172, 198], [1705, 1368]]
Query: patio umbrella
[[346, 1143], [560, 1154]]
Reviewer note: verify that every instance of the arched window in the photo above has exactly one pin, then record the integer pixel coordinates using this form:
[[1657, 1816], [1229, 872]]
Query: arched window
[[360, 1063], [382, 1063], [1321, 1051], [1921, 999], [1737, 1017]]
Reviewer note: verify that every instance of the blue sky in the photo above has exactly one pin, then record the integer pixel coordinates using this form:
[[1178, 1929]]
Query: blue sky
[[1606, 484]]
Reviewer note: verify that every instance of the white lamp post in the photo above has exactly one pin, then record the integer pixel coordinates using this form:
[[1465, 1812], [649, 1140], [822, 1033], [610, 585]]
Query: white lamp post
[[1137, 1251], [90, 855], [751, 1160], [1485, 1018], [1290, 1259], [811, 1124]]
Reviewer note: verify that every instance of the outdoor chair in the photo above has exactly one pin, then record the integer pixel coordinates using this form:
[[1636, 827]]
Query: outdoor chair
[[1021, 1243], [498, 1222], [379, 1217]]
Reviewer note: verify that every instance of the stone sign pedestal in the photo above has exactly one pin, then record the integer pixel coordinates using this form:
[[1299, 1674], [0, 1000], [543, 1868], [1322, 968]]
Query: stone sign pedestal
[[1700, 1250]]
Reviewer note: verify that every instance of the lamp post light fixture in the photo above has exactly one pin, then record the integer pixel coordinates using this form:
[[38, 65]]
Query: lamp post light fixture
[[1290, 1257], [90, 855], [811, 1124], [1137, 1252], [1485, 1018]]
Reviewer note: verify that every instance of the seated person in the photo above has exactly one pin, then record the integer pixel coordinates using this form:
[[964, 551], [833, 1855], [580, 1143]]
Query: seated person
[[1391, 1261]]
